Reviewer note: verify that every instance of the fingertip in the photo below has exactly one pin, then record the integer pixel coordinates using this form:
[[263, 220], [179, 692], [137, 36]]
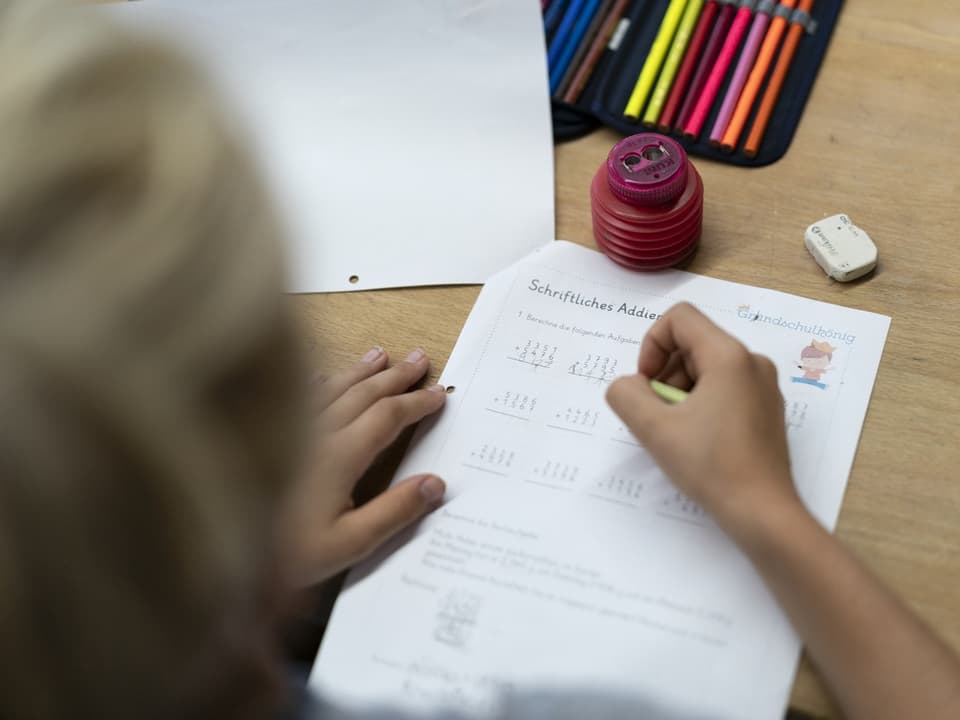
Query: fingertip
[[439, 389], [435, 397], [637, 405], [432, 489], [369, 364], [614, 388], [624, 386], [416, 356], [374, 355], [685, 308]]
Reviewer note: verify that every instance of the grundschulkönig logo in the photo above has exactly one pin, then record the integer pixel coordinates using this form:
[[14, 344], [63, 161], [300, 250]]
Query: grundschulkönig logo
[[813, 329]]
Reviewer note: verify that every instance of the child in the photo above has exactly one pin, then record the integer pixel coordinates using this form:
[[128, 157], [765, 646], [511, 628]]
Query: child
[[157, 505], [165, 488], [725, 447]]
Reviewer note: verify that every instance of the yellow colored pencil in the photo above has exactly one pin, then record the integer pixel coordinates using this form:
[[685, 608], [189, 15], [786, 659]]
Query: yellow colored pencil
[[654, 59], [672, 63]]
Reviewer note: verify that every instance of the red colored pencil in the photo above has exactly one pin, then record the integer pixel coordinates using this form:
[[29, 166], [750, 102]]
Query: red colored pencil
[[687, 67], [710, 89], [707, 60]]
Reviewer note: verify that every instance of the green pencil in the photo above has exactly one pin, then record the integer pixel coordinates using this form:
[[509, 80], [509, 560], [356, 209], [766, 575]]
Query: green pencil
[[668, 392]]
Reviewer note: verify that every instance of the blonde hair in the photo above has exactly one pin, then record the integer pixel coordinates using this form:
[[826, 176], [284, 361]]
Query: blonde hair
[[148, 380]]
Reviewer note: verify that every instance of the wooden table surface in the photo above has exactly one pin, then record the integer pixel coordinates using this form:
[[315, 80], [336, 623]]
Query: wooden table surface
[[878, 140]]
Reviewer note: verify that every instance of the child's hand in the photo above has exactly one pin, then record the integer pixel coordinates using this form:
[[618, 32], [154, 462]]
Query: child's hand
[[725, 445], [359, 413]]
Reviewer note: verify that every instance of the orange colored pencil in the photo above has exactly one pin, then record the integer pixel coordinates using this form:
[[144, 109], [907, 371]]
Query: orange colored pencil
[[771, 42], [776, 84]]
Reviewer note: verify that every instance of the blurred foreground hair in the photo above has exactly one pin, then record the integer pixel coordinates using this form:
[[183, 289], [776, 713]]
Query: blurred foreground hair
[[148, 383]]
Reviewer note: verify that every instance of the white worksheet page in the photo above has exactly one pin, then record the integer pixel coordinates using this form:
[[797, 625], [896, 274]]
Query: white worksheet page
[[563, 557], [407, 143]]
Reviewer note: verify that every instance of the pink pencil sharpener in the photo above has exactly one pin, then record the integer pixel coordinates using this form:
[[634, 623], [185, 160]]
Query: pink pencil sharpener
[[647, 203]]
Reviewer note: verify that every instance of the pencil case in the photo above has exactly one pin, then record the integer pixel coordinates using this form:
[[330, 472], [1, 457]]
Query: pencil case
[[612, 81]]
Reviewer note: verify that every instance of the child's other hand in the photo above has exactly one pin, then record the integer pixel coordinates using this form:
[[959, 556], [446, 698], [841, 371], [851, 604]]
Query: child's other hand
[[360, 412], [725, 445]]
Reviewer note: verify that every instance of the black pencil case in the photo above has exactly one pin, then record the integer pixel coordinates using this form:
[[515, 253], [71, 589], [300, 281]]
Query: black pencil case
[[605, 95]]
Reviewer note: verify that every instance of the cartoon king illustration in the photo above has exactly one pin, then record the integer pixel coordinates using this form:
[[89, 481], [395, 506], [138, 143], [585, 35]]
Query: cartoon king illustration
[[814, 361]]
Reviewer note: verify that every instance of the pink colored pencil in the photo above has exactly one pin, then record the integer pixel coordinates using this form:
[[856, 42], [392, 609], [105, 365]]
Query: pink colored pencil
[[710, 89], [744, 64]]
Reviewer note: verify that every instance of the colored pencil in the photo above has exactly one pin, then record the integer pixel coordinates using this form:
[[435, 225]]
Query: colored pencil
[[760, 68], [553, 16], [594, 53], [581, 50], [695, 47], [707, 61], [787, 53], [559, 41], [672, 63], [580, 25], [651, 66], [719, 71], [749, 53]]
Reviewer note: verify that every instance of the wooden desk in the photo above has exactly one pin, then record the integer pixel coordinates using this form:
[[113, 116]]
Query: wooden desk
[[879, 140]]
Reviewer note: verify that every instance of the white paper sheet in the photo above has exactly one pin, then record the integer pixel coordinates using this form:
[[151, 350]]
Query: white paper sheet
[[564, 558], [409, 143]]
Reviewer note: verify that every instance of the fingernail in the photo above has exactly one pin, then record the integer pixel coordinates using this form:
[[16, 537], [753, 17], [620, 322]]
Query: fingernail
[[438, 388], [416, 356], [432, 489], [372, 354]]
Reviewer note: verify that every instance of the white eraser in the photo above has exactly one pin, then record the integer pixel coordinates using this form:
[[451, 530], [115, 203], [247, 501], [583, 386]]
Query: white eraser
[[844, 251]]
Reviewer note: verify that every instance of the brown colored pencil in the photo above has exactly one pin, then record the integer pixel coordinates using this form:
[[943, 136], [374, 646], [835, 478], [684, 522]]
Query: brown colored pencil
[[599, 44], [588, 37]]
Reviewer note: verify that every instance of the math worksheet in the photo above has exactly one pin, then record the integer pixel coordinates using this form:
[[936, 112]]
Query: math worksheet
[[563, 558]]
